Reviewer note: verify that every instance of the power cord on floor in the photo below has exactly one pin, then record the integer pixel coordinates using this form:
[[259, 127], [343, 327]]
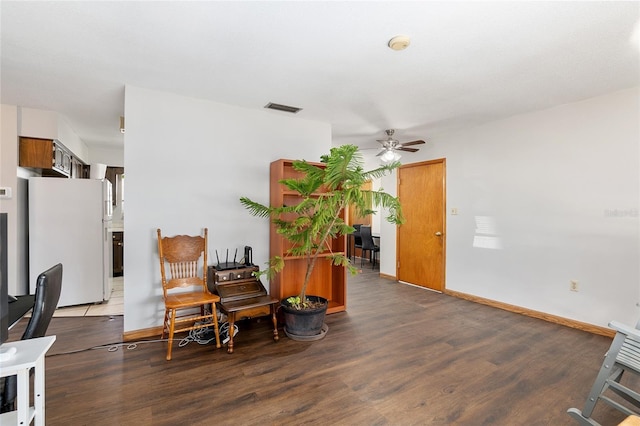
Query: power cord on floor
[[202, 336], [111, 347]]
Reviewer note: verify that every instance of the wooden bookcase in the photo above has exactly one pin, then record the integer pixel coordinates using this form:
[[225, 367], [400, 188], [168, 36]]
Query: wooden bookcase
[[327, 280]]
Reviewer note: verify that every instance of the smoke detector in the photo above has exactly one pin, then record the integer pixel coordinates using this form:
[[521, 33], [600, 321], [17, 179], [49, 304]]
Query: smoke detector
[[400, 42]]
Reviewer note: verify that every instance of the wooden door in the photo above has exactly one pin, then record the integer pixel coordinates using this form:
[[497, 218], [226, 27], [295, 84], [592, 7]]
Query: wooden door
[[353, 217], [421, 239]]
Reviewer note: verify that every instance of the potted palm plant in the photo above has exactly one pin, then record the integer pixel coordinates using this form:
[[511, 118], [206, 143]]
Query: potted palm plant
[[325, 192]]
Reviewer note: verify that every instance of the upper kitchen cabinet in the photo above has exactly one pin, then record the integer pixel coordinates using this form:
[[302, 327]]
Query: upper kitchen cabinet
[[51, 157]]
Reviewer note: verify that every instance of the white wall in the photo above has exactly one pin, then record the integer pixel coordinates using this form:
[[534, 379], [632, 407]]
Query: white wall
[[37, 123], [563, 187], [113, 157], [72, 141], [188, 162], [8, 178]]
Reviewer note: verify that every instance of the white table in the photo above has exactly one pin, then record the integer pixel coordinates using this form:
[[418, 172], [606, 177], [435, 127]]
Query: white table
[[29, 354]]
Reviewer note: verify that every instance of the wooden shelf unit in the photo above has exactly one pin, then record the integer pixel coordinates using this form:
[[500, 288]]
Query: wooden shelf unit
[[328, 281]]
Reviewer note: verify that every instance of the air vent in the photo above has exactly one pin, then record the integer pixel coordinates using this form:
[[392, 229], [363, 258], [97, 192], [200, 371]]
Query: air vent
[[285, 108]]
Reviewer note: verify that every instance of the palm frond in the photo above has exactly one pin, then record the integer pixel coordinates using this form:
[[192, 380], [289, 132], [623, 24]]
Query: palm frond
[[325, 192]]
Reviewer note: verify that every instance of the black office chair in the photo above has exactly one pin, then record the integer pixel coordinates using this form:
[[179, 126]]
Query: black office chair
[[48, 287], [357, 240], [368, 246]]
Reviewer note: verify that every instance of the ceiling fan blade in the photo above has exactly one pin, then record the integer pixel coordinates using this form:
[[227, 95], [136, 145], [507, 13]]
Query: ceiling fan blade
[[381, 152], [418, 142], [408, 149]]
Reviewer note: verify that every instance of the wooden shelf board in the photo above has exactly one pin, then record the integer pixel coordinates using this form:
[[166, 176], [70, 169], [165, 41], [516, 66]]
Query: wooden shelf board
[[323, 255], [334, 308]]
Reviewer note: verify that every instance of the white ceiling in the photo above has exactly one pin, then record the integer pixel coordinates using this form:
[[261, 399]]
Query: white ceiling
[[468, 62]]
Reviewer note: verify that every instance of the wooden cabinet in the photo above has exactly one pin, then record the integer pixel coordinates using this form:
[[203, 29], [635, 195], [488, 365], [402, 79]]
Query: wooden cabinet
[[79, 169], [328, 281], [51, 156], [242, 296]]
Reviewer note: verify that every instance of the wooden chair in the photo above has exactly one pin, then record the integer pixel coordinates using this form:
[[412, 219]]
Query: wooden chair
[[622, 357], [191, 309]]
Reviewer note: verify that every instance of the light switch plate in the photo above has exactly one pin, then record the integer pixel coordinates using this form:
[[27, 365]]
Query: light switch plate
[[5, 192]]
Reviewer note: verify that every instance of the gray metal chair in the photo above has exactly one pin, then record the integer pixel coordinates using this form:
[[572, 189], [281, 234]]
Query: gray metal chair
[[622, 357]]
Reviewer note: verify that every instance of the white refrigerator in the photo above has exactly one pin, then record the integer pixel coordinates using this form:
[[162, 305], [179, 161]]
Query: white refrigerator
[[70, 223]]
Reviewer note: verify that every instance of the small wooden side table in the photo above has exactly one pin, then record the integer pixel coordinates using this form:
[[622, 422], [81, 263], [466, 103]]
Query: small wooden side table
[[250, 308]]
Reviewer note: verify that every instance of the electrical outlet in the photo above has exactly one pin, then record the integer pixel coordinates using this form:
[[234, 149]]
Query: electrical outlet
[[573, 285]]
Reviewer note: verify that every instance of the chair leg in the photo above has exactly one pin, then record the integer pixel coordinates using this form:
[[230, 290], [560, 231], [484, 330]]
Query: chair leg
[[583, 421], [215, 324], [172, 326], [608, 371], [274, 319], [164, 323]]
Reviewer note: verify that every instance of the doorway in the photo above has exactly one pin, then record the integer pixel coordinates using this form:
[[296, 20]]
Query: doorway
[[422, 238], [354, 219]]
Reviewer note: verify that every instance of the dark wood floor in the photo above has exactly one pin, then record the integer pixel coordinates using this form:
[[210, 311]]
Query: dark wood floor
[[399, 356]]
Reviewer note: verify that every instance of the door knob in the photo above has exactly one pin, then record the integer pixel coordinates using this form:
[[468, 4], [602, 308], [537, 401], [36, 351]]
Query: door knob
[[438, 234]]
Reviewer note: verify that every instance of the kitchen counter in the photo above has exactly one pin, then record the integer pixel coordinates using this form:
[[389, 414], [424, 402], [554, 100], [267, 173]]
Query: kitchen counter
[[117, 227]]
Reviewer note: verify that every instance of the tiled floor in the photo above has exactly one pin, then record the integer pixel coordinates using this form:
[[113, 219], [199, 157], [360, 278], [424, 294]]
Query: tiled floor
[[114, 306]]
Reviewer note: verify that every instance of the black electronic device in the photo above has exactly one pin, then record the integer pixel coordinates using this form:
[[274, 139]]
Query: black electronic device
[[4, 284], [248, 256], [226, 264]]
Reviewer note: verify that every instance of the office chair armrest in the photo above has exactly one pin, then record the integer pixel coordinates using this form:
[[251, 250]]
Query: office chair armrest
[[632, 332]]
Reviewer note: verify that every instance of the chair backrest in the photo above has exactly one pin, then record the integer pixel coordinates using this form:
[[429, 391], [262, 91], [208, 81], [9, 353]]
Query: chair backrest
[[182, 255], [48, 288], [356, 235], [367, 238]]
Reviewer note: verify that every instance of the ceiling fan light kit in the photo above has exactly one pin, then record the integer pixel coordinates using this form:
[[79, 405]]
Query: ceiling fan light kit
[[391, 146], [390, 156], [399, 42]]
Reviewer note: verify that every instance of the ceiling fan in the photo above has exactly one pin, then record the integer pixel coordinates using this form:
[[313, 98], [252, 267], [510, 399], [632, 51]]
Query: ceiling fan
[[390, 146]]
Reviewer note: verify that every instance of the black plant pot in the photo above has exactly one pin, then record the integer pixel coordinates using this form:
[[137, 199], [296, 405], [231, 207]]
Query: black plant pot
[[306, 323]]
